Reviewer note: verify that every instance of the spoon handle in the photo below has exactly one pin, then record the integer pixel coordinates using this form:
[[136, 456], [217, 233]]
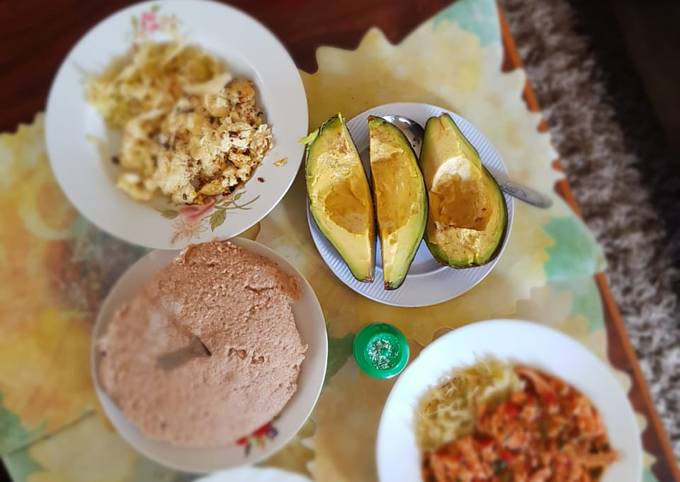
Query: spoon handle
[[526, 194]]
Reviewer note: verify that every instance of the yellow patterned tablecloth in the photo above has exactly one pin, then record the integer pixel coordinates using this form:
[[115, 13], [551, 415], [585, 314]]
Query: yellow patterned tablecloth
[[56, 267]]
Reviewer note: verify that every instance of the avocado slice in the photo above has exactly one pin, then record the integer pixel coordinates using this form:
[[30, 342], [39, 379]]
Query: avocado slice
[[467, 217], [400, 199], [340, 197]]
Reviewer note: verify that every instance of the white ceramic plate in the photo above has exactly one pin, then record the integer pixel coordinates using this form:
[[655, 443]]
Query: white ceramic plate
[[427, 282], [528, 343], [310, 322], [80, 146], [254, 474]]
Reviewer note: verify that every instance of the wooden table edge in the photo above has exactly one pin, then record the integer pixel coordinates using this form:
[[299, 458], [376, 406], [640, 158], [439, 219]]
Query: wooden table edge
[[514, 61]]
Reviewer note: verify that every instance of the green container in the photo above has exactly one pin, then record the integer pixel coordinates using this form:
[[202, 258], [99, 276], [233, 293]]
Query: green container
[[381, 350]]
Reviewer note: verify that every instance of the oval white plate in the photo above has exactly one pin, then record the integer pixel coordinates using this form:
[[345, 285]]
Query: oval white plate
[[428, 282], [310, 322], [519, 341], [80, 146]]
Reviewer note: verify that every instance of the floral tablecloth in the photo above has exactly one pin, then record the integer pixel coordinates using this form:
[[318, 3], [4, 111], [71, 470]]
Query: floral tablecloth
[[56, 267]]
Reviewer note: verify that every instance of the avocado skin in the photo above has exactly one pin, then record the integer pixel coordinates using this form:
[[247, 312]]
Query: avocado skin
[[494, 248], [419, 229], [363, 272]]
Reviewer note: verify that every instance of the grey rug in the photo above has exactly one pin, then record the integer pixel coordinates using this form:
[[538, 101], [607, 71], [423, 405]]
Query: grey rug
[[622, 175]]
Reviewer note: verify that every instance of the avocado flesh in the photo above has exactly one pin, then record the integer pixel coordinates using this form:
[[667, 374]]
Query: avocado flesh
[[468, 216], [340, 197], [400, 199]]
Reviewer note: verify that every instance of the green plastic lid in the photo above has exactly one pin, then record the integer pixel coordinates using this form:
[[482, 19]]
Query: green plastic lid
[[381, 350]]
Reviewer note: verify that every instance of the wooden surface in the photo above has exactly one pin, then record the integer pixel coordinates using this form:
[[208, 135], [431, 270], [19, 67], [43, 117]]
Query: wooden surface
[[651, 38], [35, 35]]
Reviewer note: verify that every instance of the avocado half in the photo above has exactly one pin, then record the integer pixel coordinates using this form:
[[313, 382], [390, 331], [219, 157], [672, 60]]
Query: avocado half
[[340, 197], [400, 199], [468, 216]]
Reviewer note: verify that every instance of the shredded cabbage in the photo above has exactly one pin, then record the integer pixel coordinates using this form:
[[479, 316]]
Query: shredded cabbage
[[447, 411], [153, 77]]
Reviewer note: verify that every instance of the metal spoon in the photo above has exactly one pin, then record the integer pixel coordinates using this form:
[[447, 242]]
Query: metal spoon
[[195, 348], [414, 132]]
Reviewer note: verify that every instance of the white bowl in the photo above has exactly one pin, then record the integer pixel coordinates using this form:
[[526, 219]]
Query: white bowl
[[428, 282], [80, 146], [310, 322], [528, 343]]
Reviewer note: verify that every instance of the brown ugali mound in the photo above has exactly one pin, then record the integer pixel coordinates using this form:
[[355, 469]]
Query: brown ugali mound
[[238, 305]]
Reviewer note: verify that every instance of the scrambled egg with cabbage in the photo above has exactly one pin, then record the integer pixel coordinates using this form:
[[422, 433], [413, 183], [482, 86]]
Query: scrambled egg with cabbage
[[189, 130]]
